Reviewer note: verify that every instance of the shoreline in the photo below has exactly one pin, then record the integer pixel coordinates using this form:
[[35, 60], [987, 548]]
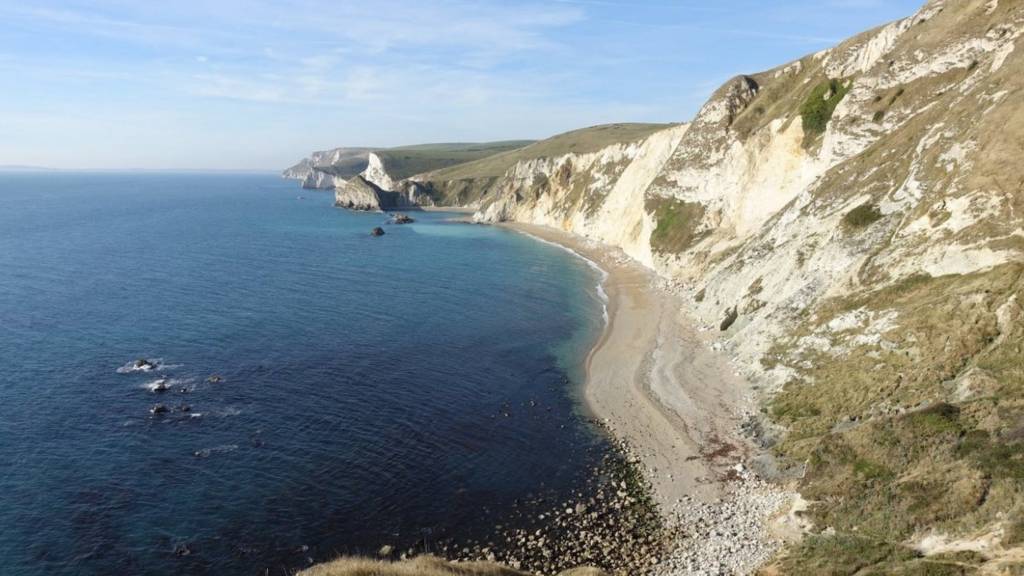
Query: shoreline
[[656, 385], [454, 209]]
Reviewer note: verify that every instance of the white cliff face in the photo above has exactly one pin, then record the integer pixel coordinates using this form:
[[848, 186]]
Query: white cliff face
[[376, 173], [814, 234], [361, 194], [357, 194], [772, 238], [622, 219], [598, 195], [925, 100], [329, 169], [332, 169], [317, 180]]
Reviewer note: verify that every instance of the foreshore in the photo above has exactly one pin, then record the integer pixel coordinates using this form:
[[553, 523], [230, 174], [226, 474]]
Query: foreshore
[[656, 383]]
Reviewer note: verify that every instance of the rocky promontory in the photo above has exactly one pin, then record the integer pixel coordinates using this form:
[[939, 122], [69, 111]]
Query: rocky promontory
[[361, 194]]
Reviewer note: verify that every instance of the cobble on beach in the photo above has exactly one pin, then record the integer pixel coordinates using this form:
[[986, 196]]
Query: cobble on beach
[[713, 510], [618, 528]]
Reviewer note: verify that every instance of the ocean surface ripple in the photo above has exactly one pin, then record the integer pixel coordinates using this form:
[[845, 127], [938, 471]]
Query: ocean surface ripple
[[399, 390]]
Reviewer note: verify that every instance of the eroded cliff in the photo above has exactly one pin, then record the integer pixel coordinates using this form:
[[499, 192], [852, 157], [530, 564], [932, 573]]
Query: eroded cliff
[[853, 225], [854, 221]]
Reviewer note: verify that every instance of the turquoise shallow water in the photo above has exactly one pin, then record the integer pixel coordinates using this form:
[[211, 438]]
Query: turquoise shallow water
[[366, 380]]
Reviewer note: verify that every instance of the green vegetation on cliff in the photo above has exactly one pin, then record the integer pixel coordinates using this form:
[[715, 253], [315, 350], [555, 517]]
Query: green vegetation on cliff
[[817, 109], [886, 454], [677, 224], [862, 216]]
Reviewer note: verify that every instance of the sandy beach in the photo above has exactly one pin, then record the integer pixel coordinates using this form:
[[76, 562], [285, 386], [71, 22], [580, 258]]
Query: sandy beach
[[657, 384], [654, 380]]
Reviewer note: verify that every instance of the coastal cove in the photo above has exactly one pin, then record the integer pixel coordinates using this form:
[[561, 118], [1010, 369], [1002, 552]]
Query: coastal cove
[[512, 288], [677, 407], [372, 391]]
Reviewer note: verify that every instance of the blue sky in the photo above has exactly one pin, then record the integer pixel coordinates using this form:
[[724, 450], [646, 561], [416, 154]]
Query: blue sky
[[255, 85]]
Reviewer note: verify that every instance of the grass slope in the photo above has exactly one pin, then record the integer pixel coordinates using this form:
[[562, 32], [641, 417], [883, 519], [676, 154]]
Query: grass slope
[[581, 141], [406, 161]]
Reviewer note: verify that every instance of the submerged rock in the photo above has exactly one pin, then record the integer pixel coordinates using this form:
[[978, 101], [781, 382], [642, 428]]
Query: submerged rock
[[182, 550], [378, 231]]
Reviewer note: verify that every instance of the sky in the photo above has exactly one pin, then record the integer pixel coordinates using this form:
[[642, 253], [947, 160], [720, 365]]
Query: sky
[[239, 84]]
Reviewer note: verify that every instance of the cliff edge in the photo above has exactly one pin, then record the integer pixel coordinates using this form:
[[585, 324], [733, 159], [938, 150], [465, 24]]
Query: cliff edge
[[851, 226]]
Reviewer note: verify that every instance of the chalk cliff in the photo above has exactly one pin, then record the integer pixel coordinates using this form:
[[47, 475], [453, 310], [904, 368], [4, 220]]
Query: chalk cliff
[[359, 193], [385, 167], [852, 224], [324, 170]]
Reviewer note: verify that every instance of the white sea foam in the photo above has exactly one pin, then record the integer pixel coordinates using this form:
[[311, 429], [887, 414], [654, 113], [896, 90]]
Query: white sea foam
[[223, 449], [154, 364], [169, 385], [130, 367], [158, 385]]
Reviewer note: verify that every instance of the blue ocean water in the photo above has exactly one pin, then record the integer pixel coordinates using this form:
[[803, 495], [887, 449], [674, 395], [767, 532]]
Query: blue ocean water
[[400, 389]]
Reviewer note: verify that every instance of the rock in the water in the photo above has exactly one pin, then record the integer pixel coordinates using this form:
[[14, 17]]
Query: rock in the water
[[378, 231], [215, 379], [402, 219], [158, 409], [182, 550]]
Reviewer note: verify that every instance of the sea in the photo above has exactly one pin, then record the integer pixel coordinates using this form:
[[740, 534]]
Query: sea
[[309, 390]]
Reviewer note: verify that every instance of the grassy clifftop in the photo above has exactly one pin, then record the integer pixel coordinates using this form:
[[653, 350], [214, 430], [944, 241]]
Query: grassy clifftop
[[581, 141], [400, 162], [469, 183], [852, 224], [407, 161]]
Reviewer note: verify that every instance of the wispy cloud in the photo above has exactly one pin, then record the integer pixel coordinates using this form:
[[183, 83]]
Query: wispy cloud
[[733, 32], [194, 77]]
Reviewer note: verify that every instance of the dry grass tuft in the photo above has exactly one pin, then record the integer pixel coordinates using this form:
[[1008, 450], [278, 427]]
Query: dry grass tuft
[[422, 566]]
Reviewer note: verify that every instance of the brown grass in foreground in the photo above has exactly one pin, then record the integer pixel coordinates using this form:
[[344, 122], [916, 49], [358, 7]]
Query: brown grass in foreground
[[423, 566]]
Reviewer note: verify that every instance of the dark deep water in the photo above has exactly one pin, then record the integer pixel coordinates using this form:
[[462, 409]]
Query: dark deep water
[[365, 379]]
